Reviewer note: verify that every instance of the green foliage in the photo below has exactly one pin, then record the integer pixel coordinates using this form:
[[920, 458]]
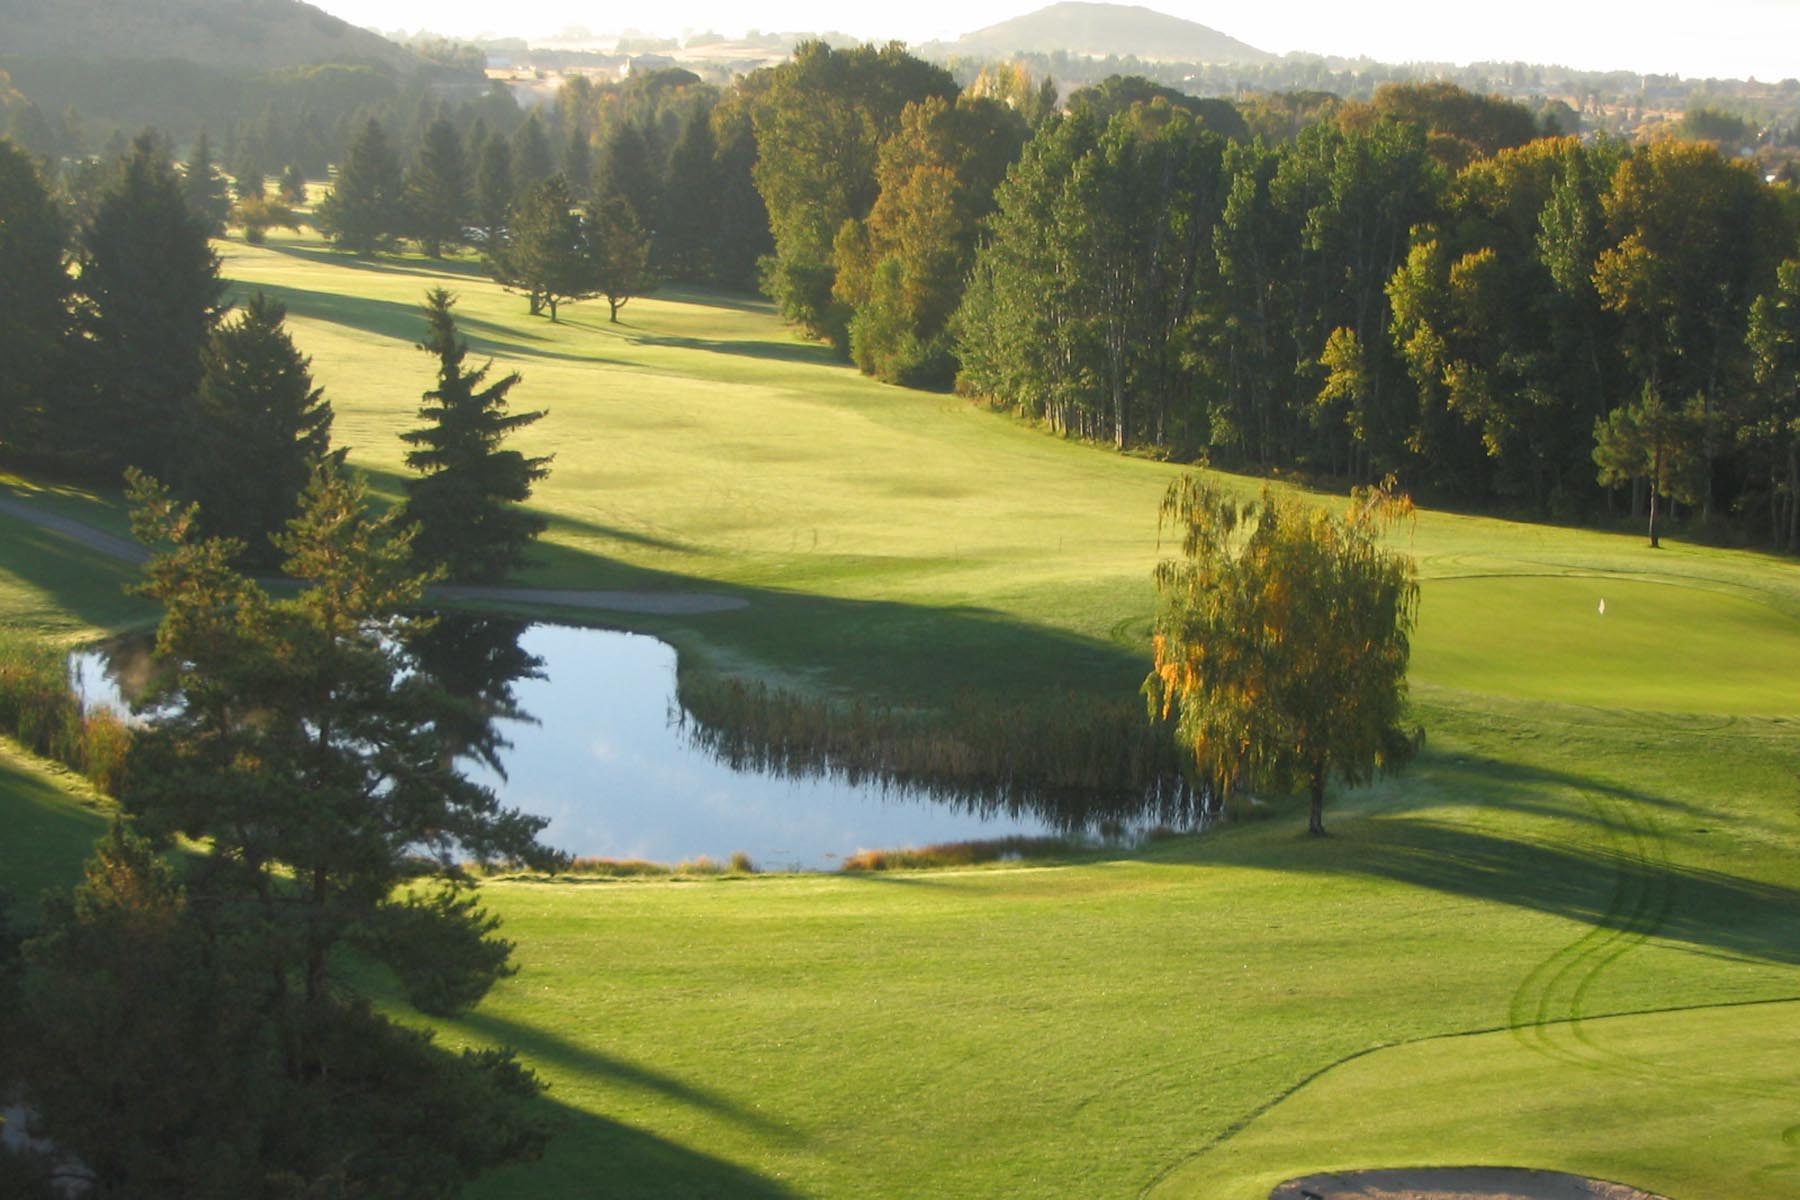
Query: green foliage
[[159, 1054], [1282, 639], [819, 126], [494, 190], [204, 187], [438, 199], [690, 213], [546, 253], [365, 209], [532, 161], [466, 502], [256, 215], [256, 404], [616, 251], [149, 295], [34, 296], [937, 174]]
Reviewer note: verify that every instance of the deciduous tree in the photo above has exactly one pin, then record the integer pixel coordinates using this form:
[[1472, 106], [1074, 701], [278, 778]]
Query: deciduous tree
[[1282, 637]]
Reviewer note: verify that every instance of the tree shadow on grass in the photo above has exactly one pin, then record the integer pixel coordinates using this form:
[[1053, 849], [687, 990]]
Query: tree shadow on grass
[[592, 1156], [557, 1054], [85, 583], [1623, 880], [448, 269]]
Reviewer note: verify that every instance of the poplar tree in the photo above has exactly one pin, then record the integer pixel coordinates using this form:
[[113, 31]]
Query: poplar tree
[[466, 500]]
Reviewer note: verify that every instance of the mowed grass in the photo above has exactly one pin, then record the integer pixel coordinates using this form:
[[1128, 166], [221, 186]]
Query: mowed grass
[[1604, 821]]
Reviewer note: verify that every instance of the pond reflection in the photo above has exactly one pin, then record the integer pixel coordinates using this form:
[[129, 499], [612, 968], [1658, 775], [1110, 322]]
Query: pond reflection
[[583, 727]]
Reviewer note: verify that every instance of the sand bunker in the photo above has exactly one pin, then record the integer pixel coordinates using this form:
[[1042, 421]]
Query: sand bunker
[[1454, 1183]]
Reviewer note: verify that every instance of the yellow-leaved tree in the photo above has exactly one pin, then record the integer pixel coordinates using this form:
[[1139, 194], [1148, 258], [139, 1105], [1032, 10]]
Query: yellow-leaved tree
[[1282, 637]]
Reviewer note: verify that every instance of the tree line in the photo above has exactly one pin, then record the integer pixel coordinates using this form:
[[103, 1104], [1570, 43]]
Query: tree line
[[125, 354], [1428, 284]]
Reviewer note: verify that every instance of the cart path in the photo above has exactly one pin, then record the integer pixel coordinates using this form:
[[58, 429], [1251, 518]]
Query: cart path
[[658, 603]]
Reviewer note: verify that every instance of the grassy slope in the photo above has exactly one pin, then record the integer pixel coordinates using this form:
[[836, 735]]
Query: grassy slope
[[1604, 822]]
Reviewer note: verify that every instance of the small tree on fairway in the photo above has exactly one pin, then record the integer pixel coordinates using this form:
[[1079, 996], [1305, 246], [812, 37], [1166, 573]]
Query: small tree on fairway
[[1650, 441], [618, 254], [257, 408], [1282, 638], [466, 502], [545, 253]]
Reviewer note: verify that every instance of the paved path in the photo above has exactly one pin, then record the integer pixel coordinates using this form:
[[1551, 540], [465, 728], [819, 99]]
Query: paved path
[[663, 603]]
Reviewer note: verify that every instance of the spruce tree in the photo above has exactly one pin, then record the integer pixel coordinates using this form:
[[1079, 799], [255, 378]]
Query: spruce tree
[[466, 501], [256, 428], [625, 171], [578, 161], [690, 210], [531, 158], [149, 296], [204, 187], [437, 189], [493, 189], [364, 211], [34, 296]]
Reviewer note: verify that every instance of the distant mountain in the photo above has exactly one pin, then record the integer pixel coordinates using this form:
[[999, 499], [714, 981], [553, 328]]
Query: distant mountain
[[1100, 30], [253, 35]]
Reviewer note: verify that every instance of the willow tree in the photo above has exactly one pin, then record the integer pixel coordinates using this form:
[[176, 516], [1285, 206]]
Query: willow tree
[[1282, 638]]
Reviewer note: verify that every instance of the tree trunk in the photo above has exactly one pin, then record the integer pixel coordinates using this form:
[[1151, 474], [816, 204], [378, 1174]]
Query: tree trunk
[[1656, 470], [1315, 817], [551, 301]]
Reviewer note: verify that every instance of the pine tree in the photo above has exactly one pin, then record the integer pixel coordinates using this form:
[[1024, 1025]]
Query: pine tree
[[256, 407], [150, 295], [34, 295], [205, 188], [466, 500], [364, 211], [437, 189]]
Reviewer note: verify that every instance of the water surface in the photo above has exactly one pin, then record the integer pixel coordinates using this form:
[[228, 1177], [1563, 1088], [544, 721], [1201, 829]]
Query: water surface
[[583, 728]]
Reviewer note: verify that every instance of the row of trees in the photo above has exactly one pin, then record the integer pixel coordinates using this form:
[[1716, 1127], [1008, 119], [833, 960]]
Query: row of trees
[[1551, 318]]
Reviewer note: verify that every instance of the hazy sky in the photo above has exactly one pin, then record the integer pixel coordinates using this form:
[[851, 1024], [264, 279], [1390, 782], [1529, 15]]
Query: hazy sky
[[1720, 37]]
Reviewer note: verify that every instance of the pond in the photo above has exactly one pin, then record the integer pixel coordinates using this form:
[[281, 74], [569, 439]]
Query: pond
[[585, 729]]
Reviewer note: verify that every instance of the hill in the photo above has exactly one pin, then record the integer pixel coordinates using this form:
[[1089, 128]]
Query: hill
[[1108, 29], [246, 35]]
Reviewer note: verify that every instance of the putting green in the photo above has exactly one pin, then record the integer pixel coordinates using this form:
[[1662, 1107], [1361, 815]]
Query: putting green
[[1659, 646], [1591, 1098]]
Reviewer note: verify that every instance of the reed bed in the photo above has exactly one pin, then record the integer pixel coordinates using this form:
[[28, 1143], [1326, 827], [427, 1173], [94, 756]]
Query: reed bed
[[1084, 764], [40, 710]]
